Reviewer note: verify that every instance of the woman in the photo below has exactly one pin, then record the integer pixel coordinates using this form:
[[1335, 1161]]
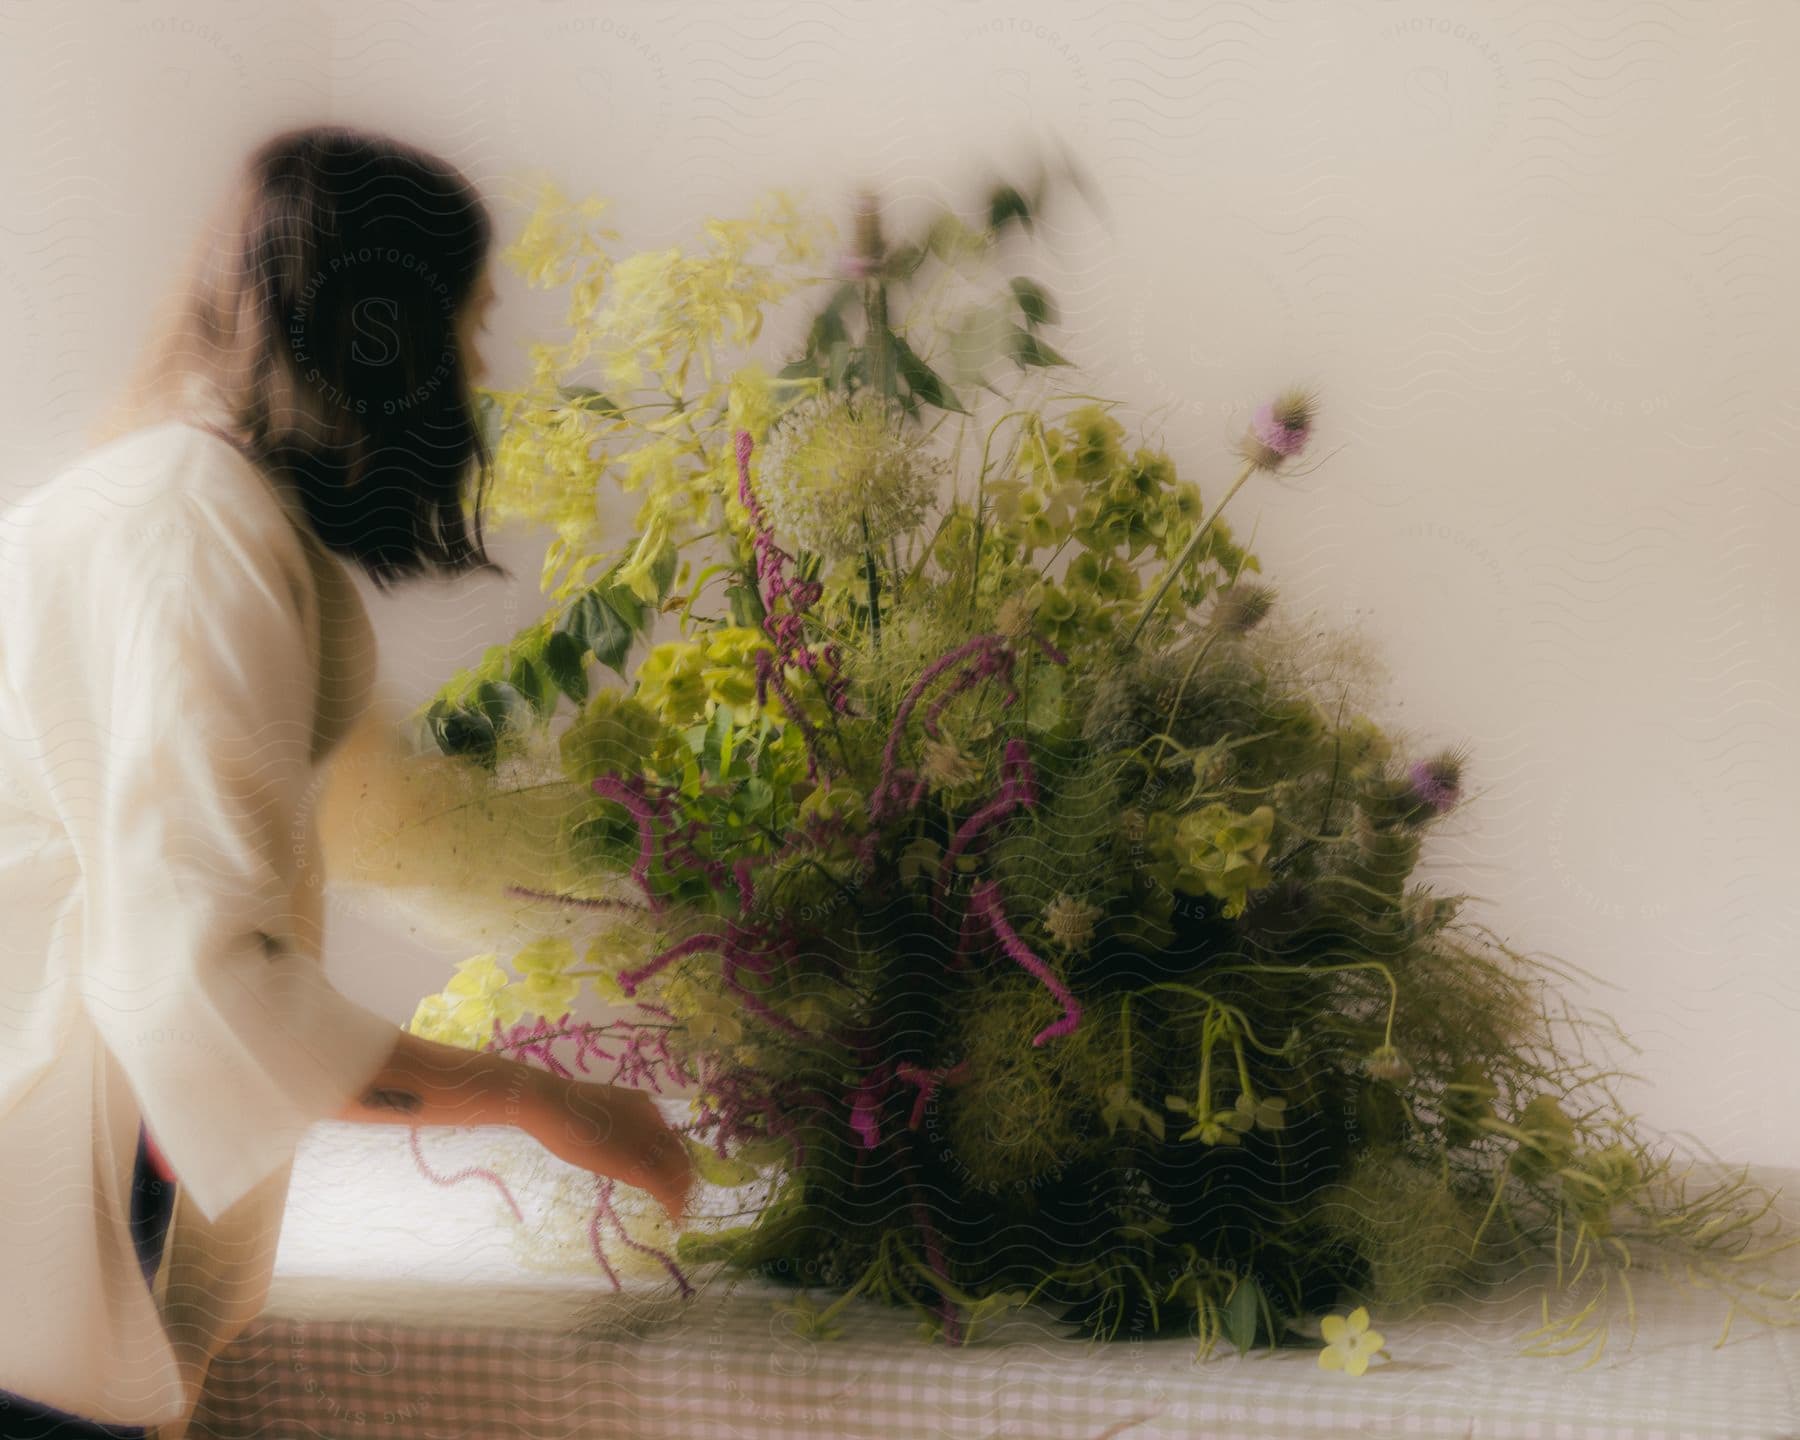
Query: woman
[[181, 651]]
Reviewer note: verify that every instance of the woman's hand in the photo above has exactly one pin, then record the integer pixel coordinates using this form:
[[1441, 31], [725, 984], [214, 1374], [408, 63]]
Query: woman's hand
[[610, 1130]]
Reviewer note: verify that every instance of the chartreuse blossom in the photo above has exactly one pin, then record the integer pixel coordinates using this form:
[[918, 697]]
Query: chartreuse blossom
[[482, 991], [1213, 851], [545, 987], [680, 680], [1119, 1105], [479, 993], [713, 1020], [1349, 1342], [1210, 1127], [635, 389]]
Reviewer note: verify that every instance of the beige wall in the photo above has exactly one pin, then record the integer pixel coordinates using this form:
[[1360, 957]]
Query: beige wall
[[1539, 258]]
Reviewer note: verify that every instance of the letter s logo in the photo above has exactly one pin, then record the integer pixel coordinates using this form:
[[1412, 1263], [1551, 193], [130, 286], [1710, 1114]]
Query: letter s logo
[[375, 331]]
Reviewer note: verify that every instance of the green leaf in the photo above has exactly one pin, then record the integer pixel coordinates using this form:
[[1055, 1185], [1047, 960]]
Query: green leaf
[[564, 663], [753, 796], [1034, 301], [922, 380], [904, 260], [603, 629], [502, 704], [531, 681], [827, 328], [838, 359], [1243, 1313], [715, 755], [662, 568], [1006, 205], [586, 397], [746, 605], [1027, 349]]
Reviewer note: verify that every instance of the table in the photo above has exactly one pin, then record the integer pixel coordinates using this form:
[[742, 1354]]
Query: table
[[404, 1309]]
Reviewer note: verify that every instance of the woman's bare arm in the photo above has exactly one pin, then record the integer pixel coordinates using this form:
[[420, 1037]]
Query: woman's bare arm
[[608, 1129]]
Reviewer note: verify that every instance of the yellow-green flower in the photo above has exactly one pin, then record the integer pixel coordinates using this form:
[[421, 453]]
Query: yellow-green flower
[[1217, 1127], [1349, 1342], [479, 994], [544, 988], [1268, 1112], [1214, 850], [712, 1019], [1121, 1107], [638, 574], [1387, 1063], [670, 683]]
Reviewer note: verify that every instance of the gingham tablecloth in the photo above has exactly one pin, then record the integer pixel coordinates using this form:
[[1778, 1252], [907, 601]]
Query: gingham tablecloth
[[404, 1309]]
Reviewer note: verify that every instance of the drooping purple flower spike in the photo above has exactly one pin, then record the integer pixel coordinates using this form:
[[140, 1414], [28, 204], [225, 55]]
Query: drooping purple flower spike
[[928, 1082], [986, 902], [631, 796], [472, 1172], [629, 980], [865, 1106], [1018, 791]]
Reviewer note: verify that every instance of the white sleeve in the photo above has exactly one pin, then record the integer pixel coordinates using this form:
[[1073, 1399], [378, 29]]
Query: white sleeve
[[199, 970]]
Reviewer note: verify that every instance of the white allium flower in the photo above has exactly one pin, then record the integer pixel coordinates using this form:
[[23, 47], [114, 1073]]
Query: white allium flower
[[833, 464]]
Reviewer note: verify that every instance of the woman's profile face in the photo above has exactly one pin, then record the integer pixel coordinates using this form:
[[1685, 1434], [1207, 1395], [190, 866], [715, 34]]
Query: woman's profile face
[[472, 324]]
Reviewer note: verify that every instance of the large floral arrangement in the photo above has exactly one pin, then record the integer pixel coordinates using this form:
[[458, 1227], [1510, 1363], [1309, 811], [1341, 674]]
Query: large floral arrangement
[[1030, 907]]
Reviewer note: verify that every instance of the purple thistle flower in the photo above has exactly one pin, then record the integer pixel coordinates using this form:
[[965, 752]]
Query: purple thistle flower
[[1279, 430], [1284, 439], [1437, 782]]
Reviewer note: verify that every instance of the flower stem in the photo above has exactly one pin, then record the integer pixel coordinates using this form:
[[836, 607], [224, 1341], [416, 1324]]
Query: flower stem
[[874, 578]]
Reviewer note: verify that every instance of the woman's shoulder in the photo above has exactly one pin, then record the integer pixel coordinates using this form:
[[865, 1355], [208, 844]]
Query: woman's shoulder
[[174, 481]]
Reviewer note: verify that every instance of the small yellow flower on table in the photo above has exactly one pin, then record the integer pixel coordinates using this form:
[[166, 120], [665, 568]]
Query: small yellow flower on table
[[1349, 1342]]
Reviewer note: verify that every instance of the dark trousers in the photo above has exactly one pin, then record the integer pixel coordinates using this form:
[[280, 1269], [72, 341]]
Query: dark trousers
[[152, 1200]]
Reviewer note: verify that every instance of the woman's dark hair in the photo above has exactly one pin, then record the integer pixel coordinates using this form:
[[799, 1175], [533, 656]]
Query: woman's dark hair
[[320, 336]]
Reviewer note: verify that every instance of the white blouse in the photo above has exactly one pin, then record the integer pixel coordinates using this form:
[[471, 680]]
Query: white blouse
[[178, 656]]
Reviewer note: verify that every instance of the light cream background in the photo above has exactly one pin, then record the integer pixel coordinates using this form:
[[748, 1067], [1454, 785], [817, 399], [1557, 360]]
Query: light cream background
[[1540, 260]]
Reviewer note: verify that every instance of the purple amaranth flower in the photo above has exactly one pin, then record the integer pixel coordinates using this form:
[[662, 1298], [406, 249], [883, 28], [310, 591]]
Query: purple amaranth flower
[[865, 1105], [928, 1082], [603, 1206], [630, 794], [983, 657], [580, 902], [472, 1172], [1018, 791], [986, 902]]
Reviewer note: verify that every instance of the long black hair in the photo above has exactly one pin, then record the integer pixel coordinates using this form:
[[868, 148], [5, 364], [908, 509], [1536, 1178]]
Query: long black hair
[[319, 333]]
